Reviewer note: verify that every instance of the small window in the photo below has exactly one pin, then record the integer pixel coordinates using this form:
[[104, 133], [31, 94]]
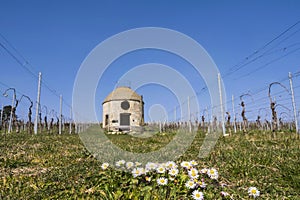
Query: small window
[[125, 105], [114, 121]]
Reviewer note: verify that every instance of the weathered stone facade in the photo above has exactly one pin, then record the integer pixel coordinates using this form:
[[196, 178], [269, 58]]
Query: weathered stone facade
[[123, 109]]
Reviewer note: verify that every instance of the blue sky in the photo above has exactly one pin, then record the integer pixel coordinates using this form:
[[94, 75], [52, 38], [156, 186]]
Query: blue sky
[[56, 36]]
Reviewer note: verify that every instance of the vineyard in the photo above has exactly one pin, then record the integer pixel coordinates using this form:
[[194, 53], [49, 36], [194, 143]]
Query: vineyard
[[61, 159]]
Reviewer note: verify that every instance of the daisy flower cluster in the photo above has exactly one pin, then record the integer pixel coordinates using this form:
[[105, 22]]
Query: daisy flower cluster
[[186, 175]]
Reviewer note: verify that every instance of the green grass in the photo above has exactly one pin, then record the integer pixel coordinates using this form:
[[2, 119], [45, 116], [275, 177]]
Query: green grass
[[55, 166]]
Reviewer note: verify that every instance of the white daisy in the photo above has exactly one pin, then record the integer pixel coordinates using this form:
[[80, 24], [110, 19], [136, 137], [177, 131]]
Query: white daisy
[[185, 165], [173, 172], [144, 170], [151, 166], [163, 164], [197, 195], [160, 169], [212, 173], [120, 163], [162, 181], [193, 173], [171, 165], [137, 164], [253, 191], [129, 165], [203, 171], [137, 172], [104, 166], [193, 163], [190, 184]]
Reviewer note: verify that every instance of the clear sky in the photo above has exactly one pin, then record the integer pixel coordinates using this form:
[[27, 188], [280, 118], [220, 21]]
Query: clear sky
[[56, 36]]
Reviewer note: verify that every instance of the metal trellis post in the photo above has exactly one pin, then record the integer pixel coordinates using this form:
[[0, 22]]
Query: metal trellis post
[[234, 116], [293, 101], [60, 113], [37, 104], [221, 102]]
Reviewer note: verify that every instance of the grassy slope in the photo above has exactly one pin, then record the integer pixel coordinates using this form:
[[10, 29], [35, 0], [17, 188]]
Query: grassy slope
[[58, 166]]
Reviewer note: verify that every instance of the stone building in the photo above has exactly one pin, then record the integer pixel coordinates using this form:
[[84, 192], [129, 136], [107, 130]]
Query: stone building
[[123, 110]]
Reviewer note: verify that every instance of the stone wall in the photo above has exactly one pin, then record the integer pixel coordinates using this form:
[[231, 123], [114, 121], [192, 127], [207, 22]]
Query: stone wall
[[113, 109]]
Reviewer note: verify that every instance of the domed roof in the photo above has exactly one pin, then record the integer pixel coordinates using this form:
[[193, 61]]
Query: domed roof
[[122, 93]]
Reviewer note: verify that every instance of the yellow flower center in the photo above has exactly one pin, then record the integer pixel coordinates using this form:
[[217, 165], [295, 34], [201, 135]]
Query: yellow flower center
[[253, 191], [105, 166]]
